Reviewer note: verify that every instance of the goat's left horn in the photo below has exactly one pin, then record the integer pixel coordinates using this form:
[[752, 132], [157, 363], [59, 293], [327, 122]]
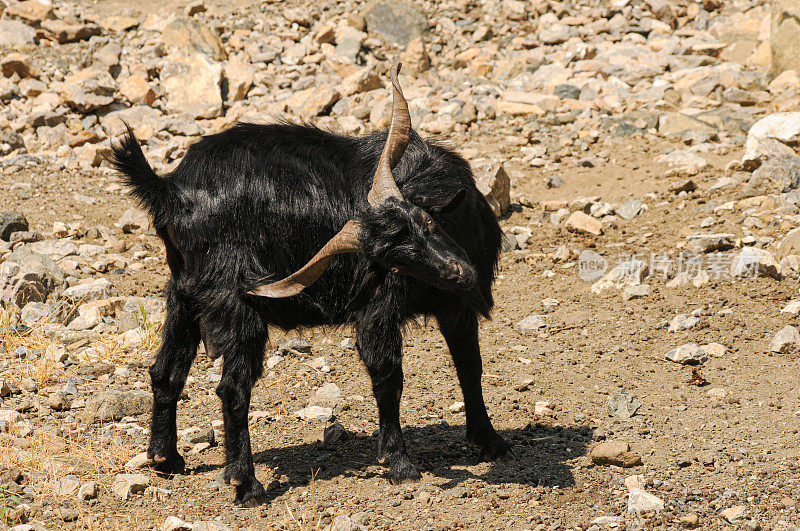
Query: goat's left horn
[[383, 184], [345, 241]]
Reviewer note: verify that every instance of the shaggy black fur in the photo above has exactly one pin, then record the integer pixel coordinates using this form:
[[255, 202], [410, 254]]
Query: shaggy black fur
[[256, 202]]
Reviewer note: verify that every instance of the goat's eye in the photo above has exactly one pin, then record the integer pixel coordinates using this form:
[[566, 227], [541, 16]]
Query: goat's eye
[[429, 221]]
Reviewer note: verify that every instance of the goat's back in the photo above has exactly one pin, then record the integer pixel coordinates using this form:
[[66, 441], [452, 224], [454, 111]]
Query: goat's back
[[258, 201]]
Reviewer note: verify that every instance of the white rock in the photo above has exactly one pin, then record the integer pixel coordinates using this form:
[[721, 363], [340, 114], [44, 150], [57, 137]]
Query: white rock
[[584, 224], [641, 501], [312, 413], [751, 262], [783, 126], [87, 491], [66, 486], [273, 361], [126, 485], [714, 350], [329, 390], [173, 523], [456, 407], [786, 341], [531, 323], [687, 354], [683, 321], [138, 461], [792, 307]]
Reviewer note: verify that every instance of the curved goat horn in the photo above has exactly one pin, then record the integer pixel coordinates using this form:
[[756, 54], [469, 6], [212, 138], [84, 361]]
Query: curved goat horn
[[383, 184], [345, 241]]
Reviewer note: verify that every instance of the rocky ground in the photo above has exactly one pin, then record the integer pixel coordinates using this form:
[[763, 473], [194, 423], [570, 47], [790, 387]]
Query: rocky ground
[[642, 357]]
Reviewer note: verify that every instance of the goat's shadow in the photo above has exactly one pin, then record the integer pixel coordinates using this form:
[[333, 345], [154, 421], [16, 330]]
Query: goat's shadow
[[541, 453]]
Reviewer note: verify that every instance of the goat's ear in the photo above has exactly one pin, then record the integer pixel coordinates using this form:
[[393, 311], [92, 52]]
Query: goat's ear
[[364, 292], [439, 206]]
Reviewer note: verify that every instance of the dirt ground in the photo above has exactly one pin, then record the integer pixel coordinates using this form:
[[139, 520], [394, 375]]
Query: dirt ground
[[700, 453], [733, 441]]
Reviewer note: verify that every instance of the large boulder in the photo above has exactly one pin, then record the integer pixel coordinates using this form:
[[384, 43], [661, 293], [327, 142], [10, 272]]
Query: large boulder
[[189, 36], [46, 270], [493, 182], [785, 35], [15, 33], [395, 21], [11, 222], [192, 84]]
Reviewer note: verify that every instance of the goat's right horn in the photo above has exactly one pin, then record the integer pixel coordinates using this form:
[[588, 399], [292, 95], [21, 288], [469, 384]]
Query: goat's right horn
[[345, 241], [383, 183]]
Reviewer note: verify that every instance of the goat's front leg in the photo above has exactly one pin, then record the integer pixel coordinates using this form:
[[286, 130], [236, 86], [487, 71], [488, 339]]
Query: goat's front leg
[[241, 368], [181, 337], [380, 344], [460, 331]]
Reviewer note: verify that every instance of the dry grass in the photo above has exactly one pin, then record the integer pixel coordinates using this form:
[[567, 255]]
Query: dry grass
[[309, 520], [51, 455]]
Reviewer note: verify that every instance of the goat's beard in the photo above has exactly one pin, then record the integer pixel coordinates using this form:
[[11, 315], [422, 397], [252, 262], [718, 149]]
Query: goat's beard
[[476, 300]]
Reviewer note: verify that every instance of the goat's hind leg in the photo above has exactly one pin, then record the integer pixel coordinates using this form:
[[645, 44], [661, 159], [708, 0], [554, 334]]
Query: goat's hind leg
[[242, 347], [181, 337]]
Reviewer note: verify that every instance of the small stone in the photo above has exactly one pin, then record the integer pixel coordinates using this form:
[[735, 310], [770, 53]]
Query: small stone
[[66, 486], [14, 33], [334, 434], [531, 323], [273, 361], [396, 21], [683, 163], [138, 461], [641, 501], [87, 491], [733, 514], [137, 91], [315, 413], [584, 224], [114, 405], [347, 344], [629, 208], [126, 485], [690, 521], [591, 265], [623, 404], [543, 408], [636, 292], [189, 36], [456, 407], [786, 341], [688, 354], [329, 390], [65, 32], [134, 220], [752, 262], [11, 222], [239, 74], [192, 84], [707, 243], [683, 321], [714, 350], [614, 453], [173, 523]]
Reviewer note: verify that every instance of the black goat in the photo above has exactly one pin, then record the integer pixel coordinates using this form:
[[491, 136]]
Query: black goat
[[254, 203]]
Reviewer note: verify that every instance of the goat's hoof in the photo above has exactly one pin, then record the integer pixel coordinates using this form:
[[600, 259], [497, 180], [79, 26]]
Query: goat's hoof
[[403, 472], [497, 449], [168, 464], [249, 494]]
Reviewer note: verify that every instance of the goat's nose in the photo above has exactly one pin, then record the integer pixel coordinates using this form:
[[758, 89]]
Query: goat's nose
[[453, 271]]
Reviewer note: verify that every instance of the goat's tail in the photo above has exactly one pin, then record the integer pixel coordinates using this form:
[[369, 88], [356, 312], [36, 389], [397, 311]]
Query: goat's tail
[[155, 193]]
